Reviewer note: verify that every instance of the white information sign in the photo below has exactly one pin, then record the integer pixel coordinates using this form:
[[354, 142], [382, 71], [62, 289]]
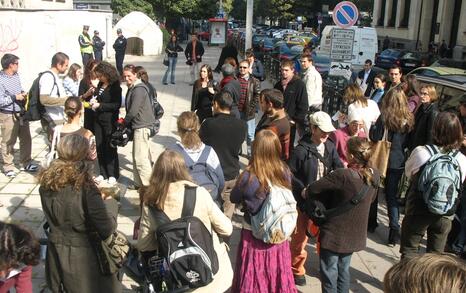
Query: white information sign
[[217, 33], [341, 47], [340, 69]]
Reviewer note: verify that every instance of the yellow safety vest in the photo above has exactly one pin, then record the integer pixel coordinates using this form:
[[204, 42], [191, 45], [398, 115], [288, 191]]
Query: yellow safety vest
[[88, 49]]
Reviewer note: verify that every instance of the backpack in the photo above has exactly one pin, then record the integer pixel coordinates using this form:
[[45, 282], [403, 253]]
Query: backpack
[[186, 246], [157, 108], [202, 173], [277, 217], [440, 181], [33, 109]]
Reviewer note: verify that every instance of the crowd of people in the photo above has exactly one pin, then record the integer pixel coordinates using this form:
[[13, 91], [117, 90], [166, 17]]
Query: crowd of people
[[325, 160]]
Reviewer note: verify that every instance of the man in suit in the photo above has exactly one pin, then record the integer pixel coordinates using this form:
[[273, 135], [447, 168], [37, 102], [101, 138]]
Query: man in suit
[[366, 78]]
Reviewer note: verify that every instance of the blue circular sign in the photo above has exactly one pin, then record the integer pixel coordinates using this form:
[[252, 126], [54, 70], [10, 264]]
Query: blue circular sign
[[345, 14]]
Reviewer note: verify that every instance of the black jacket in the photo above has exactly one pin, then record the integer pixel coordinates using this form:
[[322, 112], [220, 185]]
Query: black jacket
[[396, 158], [225, 133], [172, 49], [304, 164], [110, 103], [199, 51], [120, 45], [234, 88], [227, 51], [252, 97], [295, 95], [423, 124], [98, 43], [369, 81]]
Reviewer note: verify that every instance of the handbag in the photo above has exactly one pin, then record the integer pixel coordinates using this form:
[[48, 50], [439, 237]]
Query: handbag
[[165, 60], [380, 154], [112, 252]]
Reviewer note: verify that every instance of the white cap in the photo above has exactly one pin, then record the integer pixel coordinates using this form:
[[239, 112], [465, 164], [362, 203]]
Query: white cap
[[322, 120], [355, 115]]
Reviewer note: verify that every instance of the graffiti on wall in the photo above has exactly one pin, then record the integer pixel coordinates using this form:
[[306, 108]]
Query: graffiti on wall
[[9, 35]]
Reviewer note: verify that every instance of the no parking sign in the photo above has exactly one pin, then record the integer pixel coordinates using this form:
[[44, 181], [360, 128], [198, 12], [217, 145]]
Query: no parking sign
[[345, 14]]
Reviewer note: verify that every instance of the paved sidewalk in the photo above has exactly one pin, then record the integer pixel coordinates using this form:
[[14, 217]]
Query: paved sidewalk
[[21, 201]]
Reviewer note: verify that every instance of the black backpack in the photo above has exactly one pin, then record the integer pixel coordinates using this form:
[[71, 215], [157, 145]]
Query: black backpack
[[33, 110], [186, 245]]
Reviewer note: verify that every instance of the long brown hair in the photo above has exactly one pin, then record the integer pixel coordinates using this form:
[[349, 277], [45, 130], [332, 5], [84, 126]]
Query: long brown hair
[[395, 112], [71, 167], [170, 167], [353, 94], [360, 150], [266, 163], [188, 129]]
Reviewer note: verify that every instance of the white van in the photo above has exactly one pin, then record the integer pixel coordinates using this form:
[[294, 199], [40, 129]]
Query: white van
[[364, 45]]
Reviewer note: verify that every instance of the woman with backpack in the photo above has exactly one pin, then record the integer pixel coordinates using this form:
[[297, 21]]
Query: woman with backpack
[[76, 210], [422, 212], [202, 160], [140, 118], [260, 266], [344, 233], [395, 122], [166, 192], [106, 104]]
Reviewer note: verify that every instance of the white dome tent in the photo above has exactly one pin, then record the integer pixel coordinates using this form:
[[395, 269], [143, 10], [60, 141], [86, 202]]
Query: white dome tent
[[143, 34]]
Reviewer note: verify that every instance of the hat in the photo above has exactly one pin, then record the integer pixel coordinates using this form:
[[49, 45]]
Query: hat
[[85, 27], [322, 120], [118, 30], [228, 70], [96, 32], [355, 115]]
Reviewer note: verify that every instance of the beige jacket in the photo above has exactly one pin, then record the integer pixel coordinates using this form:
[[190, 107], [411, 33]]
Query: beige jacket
[[212, 217]]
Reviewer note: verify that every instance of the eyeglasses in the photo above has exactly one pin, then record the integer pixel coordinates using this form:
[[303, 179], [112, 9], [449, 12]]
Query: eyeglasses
[[423, 94]]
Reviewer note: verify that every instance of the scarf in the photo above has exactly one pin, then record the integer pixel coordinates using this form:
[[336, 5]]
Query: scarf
[[226, 80]]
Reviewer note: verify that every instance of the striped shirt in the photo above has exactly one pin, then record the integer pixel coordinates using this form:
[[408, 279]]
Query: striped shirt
[[243, 82], [10, 86]]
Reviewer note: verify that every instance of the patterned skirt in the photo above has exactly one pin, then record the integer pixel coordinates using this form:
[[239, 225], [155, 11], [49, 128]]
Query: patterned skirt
[[262, 267]]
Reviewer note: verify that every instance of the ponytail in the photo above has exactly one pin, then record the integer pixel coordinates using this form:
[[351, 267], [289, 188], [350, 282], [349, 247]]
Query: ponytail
[[361, 150]]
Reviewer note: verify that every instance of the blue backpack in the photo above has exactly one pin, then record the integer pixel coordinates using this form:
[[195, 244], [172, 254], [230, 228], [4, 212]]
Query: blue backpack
[[202, 173], [440, 181]]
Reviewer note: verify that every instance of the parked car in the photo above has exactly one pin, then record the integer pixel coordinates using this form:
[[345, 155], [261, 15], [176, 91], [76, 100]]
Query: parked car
[[389, 57], [203, 36], [295, 40], [449, 87], [267, 44], [256, 40], [321, 62], [435, 71], [282, 51], [412, 60]]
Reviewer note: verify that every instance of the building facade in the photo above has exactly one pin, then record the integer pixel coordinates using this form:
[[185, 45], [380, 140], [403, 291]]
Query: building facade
[[414, 24], [93, 4], [37, 4]]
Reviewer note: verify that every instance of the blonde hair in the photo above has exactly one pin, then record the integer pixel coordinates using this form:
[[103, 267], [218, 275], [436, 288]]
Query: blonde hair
[[395, 112], [360, 150], [428, 273], [266, 163], [432, 92], [170, 167], [71, 167], [354, 94], [188, 129]]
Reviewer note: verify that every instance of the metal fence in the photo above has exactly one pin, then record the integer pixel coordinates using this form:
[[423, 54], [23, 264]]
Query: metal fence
[[271, 68]]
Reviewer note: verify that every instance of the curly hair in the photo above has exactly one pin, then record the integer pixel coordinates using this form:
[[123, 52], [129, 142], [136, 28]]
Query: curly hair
[[108, 70], [18, 245], [71, 167], [89, 71]]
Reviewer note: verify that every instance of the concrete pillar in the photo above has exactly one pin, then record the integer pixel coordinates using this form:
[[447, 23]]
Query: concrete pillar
[[249, 11], [377, 13], [399, 12], [388, 11], [445, 12]]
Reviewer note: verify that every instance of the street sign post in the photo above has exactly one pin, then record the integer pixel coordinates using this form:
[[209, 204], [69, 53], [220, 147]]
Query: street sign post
[[341, 47], [345, 14]]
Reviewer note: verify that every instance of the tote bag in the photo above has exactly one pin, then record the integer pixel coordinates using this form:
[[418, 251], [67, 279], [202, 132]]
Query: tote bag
[[380, 154]]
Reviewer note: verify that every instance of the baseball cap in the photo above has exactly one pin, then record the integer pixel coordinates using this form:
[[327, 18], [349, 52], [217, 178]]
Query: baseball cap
[[96, 32], [119, 30], [228, 70], [322, 120], [85, 27]]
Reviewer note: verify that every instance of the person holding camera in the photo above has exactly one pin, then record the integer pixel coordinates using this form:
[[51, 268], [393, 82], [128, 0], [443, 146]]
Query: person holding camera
[[140, 118]]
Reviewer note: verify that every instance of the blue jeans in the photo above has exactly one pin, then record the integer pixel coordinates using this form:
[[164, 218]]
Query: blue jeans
[[459, 242], [170, 69], [391, 189], [251, 130], [334, 271]]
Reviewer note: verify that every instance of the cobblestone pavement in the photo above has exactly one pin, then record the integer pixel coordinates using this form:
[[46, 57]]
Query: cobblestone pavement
[[21, 202]]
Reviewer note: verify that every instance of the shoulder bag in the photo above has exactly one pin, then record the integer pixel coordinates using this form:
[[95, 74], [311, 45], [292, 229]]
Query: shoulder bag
[[112, 252], [380, 154]]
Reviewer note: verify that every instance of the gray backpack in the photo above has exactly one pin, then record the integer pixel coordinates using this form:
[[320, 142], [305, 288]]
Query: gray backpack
[[440, 181]]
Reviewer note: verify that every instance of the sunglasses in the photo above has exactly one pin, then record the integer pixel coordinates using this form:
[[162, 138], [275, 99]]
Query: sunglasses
[[244, 67]]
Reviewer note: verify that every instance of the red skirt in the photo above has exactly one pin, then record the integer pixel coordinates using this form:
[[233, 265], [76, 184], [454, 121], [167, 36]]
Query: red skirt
[[262, 267]]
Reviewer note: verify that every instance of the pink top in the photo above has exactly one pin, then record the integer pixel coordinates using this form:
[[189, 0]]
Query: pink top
[[340, 138]]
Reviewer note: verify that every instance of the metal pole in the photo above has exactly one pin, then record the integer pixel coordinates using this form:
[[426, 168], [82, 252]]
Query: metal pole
[[249, 12]]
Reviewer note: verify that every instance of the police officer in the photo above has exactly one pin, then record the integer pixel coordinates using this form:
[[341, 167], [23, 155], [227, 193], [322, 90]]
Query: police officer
[[85, 44], [120, 48], [98, 46]]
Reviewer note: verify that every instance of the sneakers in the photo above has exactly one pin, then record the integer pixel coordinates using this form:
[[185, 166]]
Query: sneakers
[[30, 168], [111, 181], [10, 174], [299, 280], [393, 237], [98, 179]]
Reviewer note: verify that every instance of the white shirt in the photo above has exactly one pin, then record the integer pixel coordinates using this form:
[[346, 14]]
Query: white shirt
[[47, 87], [313, 82], [369, 114], [421, 155]]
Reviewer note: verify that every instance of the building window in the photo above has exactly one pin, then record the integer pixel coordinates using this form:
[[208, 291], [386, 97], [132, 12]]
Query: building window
[[48, 0], [95, 7], [62, 1]]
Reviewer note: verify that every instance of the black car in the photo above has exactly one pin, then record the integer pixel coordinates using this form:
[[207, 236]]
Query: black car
[[389, 57], [413, 60]]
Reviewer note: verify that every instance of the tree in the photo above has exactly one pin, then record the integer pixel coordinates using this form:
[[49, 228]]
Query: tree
[[123, 7]]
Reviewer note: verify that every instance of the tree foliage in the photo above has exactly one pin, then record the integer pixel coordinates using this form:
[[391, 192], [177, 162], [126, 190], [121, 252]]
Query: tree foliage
[[123, 7]]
